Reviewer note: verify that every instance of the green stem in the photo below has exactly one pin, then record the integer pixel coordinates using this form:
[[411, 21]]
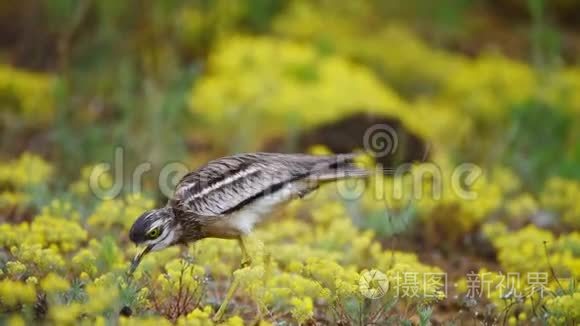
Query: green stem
[[231, 291]]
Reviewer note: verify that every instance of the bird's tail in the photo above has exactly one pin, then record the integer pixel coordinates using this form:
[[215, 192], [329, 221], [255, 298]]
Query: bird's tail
[[338, 167]]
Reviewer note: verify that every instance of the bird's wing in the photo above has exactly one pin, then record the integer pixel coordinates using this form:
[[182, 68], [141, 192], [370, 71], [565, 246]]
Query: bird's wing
[[228, 184]]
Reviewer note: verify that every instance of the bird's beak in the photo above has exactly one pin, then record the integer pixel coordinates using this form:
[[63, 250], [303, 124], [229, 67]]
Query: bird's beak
[[137, 259]]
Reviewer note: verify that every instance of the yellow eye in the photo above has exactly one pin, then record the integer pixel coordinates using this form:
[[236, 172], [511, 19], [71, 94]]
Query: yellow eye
[[153, 234]]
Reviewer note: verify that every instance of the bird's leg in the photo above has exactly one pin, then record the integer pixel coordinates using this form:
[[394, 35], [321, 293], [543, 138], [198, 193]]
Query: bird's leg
[[246, 259], [231, 291]]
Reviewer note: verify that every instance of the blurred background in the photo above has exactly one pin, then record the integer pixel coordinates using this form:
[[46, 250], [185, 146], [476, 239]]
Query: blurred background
[[491, 82], [495, 83]]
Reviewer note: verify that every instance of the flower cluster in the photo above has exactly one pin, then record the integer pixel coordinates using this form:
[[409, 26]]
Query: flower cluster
[[102, 180], [45, 230], [536, 267], [439, 201], [564, 308], [117, 212], [294, 267], [267, 79], [561, 196], [27, 94], [13, 293], [18, 177], [474, 94], [64, 252]]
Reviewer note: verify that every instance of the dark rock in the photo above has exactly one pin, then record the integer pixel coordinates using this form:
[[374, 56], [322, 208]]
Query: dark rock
[[126, 311], [353, 132]]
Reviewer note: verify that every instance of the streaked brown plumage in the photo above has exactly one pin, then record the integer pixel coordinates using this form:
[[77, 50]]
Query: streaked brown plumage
[[228, 196]]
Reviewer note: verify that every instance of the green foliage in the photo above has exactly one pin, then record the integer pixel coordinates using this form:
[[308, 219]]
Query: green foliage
[[538, 137], [387, 223]]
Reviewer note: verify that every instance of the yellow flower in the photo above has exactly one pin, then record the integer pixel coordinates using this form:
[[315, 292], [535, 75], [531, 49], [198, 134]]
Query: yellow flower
[[85, 262], [65, 314], [146, 321], [29, 92], [565, 306], [53, 283], [274, 80], [198, 316], [32, 280], [45, 259], [101, 297], [11, 235], [13, 292], [561, 196], [15, 268], [48, 229], [235, 321], [61, 208], [119, 212], [27, 170], [523, 205], [13, 199], [302, 309], [103, 180], [84, 277], [490, 84]]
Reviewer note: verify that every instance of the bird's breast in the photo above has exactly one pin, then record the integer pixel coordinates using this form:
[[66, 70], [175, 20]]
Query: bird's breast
[[242, 221], [236, 224]]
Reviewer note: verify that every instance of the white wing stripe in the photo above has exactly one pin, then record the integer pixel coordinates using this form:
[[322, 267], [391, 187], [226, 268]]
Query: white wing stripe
[[220, 184]]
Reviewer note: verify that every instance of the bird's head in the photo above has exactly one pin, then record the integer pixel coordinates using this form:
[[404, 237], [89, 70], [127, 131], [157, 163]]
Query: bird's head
[[156, 229]]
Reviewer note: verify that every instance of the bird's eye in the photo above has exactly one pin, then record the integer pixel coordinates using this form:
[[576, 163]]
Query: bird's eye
[[154, 233]]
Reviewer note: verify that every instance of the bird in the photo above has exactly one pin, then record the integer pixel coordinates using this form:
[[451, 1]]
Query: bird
[[228, 196]]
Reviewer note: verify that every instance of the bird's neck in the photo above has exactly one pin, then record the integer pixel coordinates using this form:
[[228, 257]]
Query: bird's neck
[[187, 228]]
